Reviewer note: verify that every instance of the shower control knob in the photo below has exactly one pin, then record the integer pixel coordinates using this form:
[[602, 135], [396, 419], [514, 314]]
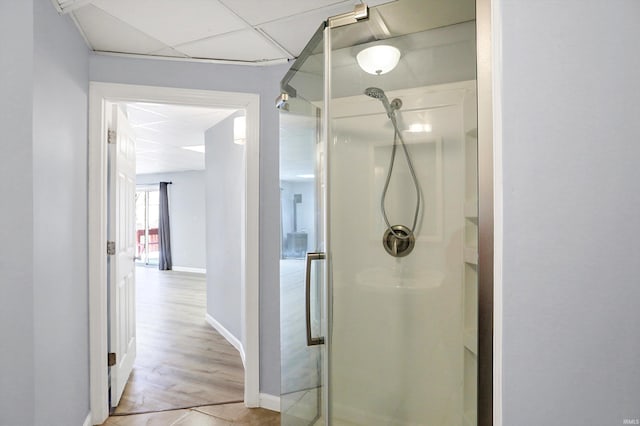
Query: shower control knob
[[398, 241]]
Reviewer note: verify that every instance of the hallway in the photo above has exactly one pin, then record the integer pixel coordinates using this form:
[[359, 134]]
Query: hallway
[[181, 360]]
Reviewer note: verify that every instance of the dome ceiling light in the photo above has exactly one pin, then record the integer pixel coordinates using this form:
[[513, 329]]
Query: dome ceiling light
[[378, 60]]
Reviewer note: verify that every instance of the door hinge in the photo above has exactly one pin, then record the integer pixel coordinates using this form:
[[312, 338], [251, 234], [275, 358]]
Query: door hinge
[[360, 12], [111, 136], [111, 248], [111, 359]]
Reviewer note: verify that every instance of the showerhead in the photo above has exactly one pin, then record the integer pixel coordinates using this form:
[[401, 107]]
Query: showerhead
[[377, 93]]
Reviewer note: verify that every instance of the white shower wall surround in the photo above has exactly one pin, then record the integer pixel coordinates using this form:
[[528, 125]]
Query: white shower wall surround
[[399, 323]]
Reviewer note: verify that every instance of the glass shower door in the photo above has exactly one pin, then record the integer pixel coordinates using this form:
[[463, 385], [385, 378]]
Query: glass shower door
[[302, 264], [402, 209]]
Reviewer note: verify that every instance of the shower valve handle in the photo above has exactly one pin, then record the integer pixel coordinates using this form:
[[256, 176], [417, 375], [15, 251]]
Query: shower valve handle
[[311, 341]]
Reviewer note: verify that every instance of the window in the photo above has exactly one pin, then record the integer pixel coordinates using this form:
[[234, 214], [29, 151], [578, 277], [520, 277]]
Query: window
[[147, 218]]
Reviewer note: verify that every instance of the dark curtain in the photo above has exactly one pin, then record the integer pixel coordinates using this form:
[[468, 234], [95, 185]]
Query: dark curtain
[[164, 263]]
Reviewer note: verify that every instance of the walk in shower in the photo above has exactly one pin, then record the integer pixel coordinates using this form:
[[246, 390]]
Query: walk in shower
[[378, 122]]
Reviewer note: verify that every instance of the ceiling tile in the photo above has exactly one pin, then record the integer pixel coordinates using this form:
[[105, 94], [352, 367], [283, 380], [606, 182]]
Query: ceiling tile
[[108, 34], [295, 32], [174, 22], [246, 45], [256, 13], [220, 29], [168, 52], [184, 117], [161, 130], [409, 16]]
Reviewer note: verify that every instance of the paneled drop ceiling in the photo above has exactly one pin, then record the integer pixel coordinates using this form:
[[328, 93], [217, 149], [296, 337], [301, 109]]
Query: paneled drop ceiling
[[168, 136], [253, 31]]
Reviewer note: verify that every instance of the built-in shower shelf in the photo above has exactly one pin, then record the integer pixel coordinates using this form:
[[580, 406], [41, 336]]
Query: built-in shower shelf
[[471, 255], [471, 209], [471, 341]]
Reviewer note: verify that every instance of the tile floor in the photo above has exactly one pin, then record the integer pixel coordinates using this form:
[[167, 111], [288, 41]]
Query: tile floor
[[211, 415]]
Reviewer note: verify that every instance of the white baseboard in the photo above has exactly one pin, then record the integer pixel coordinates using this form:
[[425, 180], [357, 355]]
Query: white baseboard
[[87, 421], [235, 342], [189, 269], [270, 402]]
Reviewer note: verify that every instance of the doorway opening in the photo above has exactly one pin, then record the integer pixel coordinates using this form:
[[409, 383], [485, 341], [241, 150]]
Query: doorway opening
[[180, 361], [102, 95]]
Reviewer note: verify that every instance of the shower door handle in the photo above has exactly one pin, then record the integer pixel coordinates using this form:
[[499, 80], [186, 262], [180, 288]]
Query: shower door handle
[[311, 341]]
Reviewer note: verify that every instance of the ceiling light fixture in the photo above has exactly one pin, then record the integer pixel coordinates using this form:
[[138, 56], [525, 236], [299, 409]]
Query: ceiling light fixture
[[378, 60]]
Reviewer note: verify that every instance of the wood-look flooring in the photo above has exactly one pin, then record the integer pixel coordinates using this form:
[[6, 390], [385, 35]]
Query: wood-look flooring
[[181, 360]]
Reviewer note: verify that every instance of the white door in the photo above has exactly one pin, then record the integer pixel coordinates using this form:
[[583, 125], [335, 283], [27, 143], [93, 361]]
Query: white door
[[122, 284]]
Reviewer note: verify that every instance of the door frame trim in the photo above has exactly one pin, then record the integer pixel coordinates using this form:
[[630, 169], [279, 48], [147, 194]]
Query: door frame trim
[[99, 95]]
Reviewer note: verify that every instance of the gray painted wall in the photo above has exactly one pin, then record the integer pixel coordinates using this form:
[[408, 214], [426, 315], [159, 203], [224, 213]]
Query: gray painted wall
[[61, 84], [571, 211], [44, 76], [265, 82], [186, 215], [16, 213], [224, 162]]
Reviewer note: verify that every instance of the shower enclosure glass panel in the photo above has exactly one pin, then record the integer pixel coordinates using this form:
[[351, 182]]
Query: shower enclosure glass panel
[[302, 265], [398, 199]]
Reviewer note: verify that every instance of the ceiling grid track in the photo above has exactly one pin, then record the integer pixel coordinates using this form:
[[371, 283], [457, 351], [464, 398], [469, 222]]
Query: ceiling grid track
[[240, 32], [259, 31]]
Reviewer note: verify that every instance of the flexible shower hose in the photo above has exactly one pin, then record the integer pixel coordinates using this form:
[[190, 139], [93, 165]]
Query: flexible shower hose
[[397, 135]]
